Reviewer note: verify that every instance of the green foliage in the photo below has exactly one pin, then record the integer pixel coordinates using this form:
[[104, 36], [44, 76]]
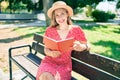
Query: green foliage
[[16, 5], [78, 10], [100, 16], [36, 7], [83, 3], [40, 3], [111, 15], [80, 3], [73, 3], [118, 4]]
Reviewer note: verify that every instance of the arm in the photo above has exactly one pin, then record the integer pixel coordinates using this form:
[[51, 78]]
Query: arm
[[52, 53], [81, 43], [81, 46]]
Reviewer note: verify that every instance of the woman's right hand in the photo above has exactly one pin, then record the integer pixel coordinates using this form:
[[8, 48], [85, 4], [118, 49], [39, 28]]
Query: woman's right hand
[[52, 53]]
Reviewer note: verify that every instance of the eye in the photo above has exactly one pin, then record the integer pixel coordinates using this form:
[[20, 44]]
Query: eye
[[56, 15], [64, 13]]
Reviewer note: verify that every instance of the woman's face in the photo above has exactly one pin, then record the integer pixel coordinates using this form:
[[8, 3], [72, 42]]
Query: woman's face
[[61, 16]]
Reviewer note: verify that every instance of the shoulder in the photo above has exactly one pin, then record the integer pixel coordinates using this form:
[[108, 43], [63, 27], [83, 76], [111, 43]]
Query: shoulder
[[50, 28], [75, 27], [49, 31]]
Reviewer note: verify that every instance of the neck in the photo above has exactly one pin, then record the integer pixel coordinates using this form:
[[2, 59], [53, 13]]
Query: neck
[[63, 27]]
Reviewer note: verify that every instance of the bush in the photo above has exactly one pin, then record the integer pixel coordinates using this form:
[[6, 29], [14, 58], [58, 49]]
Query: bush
[[100, 16], [78, 10], [111, 15]]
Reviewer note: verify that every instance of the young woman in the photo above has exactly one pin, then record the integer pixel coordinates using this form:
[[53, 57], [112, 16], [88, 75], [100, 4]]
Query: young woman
[[57, 65]]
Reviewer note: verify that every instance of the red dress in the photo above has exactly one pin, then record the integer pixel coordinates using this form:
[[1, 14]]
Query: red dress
[[61, 66]]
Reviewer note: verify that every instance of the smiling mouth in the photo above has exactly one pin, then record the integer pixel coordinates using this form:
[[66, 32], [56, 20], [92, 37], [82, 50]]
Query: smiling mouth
[[61, 21]]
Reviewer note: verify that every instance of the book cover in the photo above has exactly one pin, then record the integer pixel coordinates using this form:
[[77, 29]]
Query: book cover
[[61, 45]]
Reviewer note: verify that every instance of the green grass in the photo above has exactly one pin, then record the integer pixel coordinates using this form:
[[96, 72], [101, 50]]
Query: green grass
[[104, 40], [29, 31]]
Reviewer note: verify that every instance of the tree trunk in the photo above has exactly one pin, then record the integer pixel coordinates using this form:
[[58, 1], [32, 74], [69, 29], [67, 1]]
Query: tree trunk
[[89, 10], [46, 5]]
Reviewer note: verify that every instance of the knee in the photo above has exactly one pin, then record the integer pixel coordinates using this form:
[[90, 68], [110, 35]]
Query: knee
[[46, 76]]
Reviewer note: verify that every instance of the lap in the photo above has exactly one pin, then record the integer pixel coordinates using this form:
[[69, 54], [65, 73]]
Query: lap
[[46, 76], [60, 72]]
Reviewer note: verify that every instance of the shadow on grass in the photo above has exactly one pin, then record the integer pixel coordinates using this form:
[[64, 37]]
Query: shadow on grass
[[88, 25], [114, 48], [15, 21], [117, 30], [94, 27], [8, 40]]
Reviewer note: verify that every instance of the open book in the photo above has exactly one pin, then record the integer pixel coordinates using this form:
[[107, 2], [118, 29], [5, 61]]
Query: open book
[[61, 45]]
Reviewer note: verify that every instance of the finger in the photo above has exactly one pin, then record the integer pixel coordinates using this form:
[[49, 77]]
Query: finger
[[71, 48]]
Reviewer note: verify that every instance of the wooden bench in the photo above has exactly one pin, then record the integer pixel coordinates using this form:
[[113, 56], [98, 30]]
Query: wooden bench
[[90, 65]]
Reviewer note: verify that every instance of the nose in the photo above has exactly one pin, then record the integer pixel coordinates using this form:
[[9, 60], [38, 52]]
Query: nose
[[59, 16]]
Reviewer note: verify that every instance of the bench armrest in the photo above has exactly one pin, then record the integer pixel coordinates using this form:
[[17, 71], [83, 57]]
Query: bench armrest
[[17, 47]]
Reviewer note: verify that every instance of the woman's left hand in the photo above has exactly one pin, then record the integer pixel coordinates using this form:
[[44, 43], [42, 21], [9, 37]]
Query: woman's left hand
[[79, 46]]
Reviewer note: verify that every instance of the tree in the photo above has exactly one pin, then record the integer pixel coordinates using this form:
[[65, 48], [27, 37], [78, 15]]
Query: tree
[[26, 4], [1, 5], [46, 5], [118, 4], [35, 7], [15, 5]]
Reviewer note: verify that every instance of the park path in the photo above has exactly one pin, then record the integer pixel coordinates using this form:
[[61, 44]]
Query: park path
[[9, 38], [6, 34]]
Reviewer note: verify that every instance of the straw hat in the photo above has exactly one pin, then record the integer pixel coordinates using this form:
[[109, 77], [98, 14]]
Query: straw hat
[[57, 5]]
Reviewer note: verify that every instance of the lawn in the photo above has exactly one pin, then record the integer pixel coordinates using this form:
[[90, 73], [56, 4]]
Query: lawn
[[104, 40]]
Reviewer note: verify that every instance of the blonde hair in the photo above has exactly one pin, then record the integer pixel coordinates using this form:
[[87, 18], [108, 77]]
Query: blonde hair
[[55, 24]]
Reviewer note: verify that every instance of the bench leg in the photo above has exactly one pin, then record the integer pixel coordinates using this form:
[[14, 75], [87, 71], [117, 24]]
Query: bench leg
[[10, 64], [10, 68]]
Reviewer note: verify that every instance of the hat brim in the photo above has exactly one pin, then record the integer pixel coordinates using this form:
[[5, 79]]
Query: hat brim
[[69, 9]]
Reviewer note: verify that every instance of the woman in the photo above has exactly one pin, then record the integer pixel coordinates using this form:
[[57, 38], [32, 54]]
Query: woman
[[57, 65]]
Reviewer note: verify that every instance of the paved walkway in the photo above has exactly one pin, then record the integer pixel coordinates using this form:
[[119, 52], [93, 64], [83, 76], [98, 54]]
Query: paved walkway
[[28, 24], [41, 22]]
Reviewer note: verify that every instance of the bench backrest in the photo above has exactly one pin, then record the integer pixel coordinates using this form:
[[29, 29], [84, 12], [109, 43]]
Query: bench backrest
[[95, 66], [90, 65]]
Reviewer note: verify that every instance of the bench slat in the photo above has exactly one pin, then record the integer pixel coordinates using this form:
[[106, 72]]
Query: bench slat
[[22, 60], [102, 62], [33, 58], [90, 71], [38, 47], [38, 38]]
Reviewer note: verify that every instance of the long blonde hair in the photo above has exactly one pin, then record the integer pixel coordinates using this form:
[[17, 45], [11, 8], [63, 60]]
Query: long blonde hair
[[55, 24]]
